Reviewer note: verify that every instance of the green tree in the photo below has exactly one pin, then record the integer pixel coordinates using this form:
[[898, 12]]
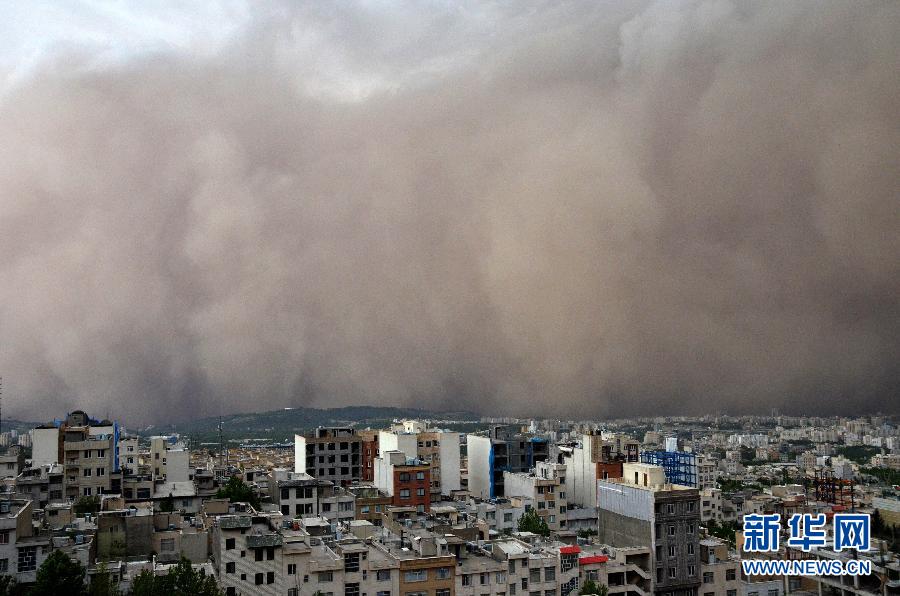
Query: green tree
[[592, 587], [532, 522], [237, 492], [102, 584], [59, 574], [87, 505], [181, 580], [8, 585], [167, 505]]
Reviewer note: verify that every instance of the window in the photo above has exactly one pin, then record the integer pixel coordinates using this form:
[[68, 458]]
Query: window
[[593, 575], [4, 565], [671, 550], [708, 577], [229, 543], [484, 578], [692, 571], [326, 507], [229, 567], [773, 592], [86, 472], [258, 579], [524, 583], [549, 592], [292, 569], [690, 548], [4, 537], [443, 572], [690, 506], [270, 577], [230, 591], [87, 491], [383, 575], [383, 593], [325, 577], [467, 580], [418, 575], [167, 545], [420, 492], [500, 577], [690, 528], [549, 574], [671, 530], [442, 592], [101, 472], [404, 477], [673, 571], [729, 575], [351, 562], [512, 589], [404, 493], [293, 592], [507, 517], [270, 553], [534, 575], [420, 475], [670, 508], [731, 593]]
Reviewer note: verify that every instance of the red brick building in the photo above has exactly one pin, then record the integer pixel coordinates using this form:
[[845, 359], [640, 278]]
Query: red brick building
[[412, 486]]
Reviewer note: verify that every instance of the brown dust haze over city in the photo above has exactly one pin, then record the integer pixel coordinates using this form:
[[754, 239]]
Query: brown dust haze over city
[[549, 209]]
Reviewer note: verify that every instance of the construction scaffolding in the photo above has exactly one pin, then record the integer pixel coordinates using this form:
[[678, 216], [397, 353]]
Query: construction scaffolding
[[833, 490], [680, 467]]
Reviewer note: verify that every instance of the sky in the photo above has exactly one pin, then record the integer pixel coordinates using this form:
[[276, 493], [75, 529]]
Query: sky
[[579, 209]]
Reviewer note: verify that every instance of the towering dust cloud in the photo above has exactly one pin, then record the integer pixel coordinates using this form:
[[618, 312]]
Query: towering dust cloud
[[550, 209]]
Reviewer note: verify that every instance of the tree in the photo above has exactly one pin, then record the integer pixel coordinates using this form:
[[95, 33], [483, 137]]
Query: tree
[[532, 522], [237, 492], [167, 505], [181, 580], [592, 587], [8, 585], [59, 574], [101, 583], [87, 505]]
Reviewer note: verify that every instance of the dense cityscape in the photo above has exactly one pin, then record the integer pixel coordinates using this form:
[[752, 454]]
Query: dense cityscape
[[522, 507]]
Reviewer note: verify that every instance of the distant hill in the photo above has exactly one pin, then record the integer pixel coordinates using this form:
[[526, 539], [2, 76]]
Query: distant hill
[[281, 425]]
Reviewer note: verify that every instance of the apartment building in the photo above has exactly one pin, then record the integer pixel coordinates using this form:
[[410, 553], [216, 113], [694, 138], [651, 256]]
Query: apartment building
[[42, 485], [299, 495], [544, 489], [624, 571], [439, 448], [502, 450], [332, 454], [498, 516], [247, 553], [370, 502], [21, 551], [720, 574], [169, 460], [640, 509], [405, 480], [593, 458]]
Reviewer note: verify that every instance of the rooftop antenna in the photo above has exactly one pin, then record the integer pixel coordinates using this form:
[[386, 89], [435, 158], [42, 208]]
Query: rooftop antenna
[[223, 451]]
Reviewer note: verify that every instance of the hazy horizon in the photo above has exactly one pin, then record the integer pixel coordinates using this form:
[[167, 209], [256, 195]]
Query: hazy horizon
[[593, 209]]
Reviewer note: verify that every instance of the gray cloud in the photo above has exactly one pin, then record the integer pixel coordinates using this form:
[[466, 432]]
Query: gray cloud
[[559, 209]]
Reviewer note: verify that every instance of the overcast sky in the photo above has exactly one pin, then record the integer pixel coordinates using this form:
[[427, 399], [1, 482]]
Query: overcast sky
[[560, 209]]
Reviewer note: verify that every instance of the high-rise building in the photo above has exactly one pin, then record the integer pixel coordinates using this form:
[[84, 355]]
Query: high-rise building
[[332, 454], [503, 450], [641, 509]]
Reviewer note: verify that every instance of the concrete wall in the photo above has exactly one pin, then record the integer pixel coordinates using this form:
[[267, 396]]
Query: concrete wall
[[45, 446], [450, 465], [480, 468]]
